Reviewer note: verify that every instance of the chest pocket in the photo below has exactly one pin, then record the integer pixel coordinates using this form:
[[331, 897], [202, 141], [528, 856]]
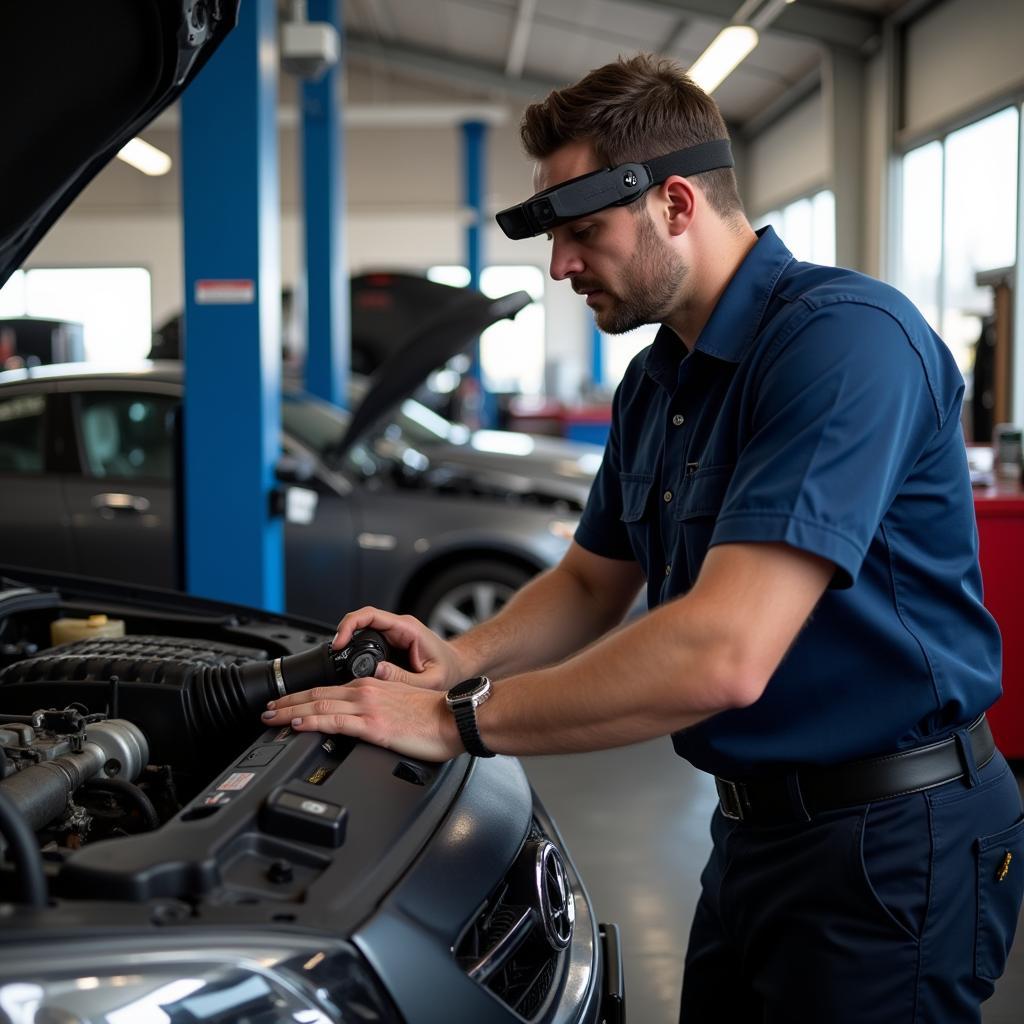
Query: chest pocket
[[696, 511], [636, 493]]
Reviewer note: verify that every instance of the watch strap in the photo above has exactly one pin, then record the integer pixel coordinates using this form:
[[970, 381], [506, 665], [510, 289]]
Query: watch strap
[[465, 721]]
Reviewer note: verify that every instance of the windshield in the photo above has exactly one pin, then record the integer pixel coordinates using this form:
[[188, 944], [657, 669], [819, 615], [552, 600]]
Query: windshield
[[320, 426]]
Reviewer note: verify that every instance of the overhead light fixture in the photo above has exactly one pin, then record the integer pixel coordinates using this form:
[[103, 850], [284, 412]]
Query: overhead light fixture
[[144, 157], [717, 62]]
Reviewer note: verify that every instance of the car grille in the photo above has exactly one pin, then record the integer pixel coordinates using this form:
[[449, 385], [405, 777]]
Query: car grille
[[505, 947]]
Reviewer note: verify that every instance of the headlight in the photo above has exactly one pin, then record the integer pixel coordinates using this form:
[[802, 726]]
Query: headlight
[[565, 529], [277, 982]]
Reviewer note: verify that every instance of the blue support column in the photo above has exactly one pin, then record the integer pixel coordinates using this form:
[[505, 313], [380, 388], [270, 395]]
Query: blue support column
[[328, 325], [596, 355], [474, 142], [230, 200]]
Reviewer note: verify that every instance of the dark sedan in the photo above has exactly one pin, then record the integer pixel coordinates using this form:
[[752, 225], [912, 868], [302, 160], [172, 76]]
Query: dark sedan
[[418, 515]]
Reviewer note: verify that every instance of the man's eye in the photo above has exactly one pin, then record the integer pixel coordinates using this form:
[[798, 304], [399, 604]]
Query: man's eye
[[580, 233]]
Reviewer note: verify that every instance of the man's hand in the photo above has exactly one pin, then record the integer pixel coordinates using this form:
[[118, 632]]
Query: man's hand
[[435, 663], [409, 720]]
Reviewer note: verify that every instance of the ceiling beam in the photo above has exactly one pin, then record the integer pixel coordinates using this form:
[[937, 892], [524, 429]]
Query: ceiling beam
[[520, 39], [444, 67], [837, 26], [781, 105]]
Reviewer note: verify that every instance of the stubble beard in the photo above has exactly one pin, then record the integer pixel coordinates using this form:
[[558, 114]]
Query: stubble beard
[[649, 287]]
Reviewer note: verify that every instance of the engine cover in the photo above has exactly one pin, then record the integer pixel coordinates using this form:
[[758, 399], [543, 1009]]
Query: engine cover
[[169, 686]]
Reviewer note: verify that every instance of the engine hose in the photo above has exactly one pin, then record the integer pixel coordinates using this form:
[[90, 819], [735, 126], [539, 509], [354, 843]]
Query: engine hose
[[226, 694], [132, 794], [24, 851]]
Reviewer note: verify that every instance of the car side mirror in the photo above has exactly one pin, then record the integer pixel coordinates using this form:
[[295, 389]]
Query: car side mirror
[[290, 499], [294, 469]]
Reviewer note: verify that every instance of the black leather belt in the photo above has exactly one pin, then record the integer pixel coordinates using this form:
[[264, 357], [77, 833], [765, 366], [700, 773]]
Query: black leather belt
[[800, 794]]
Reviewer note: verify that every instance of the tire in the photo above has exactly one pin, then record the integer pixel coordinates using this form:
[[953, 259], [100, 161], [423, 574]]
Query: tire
[[464, 594]]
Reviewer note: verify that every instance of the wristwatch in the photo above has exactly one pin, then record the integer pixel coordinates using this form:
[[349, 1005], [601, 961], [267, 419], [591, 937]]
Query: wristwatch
[[463, 699]]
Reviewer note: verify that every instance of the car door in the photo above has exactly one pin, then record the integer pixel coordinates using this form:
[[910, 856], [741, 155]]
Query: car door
[[121, 501], [34, 529], [321, 557]]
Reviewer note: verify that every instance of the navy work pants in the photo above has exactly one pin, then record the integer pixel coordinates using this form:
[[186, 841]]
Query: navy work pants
[[897, 912]]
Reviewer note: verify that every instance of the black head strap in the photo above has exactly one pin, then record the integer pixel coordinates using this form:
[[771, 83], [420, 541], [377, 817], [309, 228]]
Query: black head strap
[[611, 186]]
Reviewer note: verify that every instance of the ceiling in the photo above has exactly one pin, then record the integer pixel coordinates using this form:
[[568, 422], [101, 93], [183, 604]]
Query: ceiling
[[520, 49]]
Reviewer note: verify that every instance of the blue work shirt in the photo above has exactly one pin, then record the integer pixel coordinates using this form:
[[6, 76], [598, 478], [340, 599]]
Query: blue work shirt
[[819, 410]]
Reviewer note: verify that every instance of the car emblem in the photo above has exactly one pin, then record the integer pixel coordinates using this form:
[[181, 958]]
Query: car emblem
[[557, 905], [629, 179]]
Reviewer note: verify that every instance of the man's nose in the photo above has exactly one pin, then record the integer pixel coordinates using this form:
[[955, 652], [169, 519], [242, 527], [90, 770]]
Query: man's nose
[[565, 261]]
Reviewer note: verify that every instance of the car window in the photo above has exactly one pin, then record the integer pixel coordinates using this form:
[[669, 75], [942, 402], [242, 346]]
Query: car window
[[22, 419], [126, 435], [316, 424]]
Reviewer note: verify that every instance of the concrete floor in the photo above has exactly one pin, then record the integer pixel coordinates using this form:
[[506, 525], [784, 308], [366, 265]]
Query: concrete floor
[[636, 823]]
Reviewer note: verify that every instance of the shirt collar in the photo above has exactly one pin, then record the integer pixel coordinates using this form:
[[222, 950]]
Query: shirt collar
[[735, 320]]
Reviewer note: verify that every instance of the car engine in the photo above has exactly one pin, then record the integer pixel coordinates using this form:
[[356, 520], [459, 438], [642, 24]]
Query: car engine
[[139, 791]]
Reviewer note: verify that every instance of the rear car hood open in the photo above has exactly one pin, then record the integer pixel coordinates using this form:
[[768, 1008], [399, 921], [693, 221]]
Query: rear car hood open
[[456, 319]]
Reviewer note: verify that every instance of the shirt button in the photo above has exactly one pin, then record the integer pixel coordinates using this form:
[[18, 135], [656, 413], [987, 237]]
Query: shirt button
[[667, 496], [668, 569], [678, 420]]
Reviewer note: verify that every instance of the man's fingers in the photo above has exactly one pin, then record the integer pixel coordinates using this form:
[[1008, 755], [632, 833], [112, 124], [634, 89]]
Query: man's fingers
[[338, 722], [391, 673], [291, 700], [401, 630], [368, 617]]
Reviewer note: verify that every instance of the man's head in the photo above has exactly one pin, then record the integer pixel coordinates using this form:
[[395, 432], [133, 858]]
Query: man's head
[[631, 261]]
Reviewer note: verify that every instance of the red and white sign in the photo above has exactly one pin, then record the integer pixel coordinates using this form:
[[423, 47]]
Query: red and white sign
[[225, 292], [238, 780]]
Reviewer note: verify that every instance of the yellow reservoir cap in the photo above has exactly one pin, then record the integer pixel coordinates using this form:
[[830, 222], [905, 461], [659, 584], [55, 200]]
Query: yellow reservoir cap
[[66, 631]]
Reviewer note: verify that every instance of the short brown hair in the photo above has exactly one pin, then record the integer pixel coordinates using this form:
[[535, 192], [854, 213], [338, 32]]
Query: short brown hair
[[632, 110]]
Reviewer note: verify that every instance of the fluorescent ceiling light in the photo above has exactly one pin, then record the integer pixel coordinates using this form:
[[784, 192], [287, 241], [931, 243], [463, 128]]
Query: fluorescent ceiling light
[[716, 63], [144, 157]]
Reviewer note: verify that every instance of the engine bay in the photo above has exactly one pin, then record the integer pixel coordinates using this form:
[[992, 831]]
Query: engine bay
[[141, 767]]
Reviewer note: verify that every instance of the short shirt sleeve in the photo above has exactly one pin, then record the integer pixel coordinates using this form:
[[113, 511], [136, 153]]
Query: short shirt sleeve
[[842, 411], [601, 529]]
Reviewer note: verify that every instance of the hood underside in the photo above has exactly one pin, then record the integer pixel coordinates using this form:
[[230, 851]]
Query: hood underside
[[82, 80]]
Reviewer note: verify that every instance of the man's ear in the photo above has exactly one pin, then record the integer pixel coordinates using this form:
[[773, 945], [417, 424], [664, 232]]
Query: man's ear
[[679, 199]]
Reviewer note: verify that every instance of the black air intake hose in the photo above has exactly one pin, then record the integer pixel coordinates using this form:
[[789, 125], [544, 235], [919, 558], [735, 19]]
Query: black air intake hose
[[223, 694]]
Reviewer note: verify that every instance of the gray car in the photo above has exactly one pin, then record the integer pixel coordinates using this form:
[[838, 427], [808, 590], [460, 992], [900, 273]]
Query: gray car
[[414, 513]]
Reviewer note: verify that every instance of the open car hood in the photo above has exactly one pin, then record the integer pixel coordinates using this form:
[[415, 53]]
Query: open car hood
[[448, 320], [388, 309], [81, 81]]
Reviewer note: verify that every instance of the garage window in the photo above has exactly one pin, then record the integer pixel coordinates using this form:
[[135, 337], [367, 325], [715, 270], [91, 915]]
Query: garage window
[[511, 351], [807, 226], [959, 218], [113, 305]]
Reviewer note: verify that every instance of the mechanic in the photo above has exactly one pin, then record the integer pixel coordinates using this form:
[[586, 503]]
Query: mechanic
[[787, 473]]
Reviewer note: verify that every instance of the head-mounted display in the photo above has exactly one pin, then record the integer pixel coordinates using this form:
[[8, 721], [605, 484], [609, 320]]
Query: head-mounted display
[[611, 186]]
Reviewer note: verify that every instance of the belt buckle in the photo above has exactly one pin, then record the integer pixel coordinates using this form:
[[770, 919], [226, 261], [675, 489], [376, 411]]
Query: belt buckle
[[729, 799]]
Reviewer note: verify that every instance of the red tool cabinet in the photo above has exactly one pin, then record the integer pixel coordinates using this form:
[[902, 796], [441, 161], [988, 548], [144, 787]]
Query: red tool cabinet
[[1000, 512]]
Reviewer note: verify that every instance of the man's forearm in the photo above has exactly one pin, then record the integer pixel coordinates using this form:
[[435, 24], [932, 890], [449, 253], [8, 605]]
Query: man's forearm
[[664, 672], [552, 617]]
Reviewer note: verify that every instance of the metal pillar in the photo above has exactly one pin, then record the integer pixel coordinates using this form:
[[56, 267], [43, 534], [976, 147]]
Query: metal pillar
[[474, 140], [843, 94], [230, 201], [328, 323], [596, 355]]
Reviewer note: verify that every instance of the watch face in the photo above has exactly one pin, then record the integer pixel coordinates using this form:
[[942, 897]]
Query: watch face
[[468, 687]]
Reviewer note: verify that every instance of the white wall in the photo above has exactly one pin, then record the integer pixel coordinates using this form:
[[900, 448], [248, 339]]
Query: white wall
[[788, 159], [959, 56]]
